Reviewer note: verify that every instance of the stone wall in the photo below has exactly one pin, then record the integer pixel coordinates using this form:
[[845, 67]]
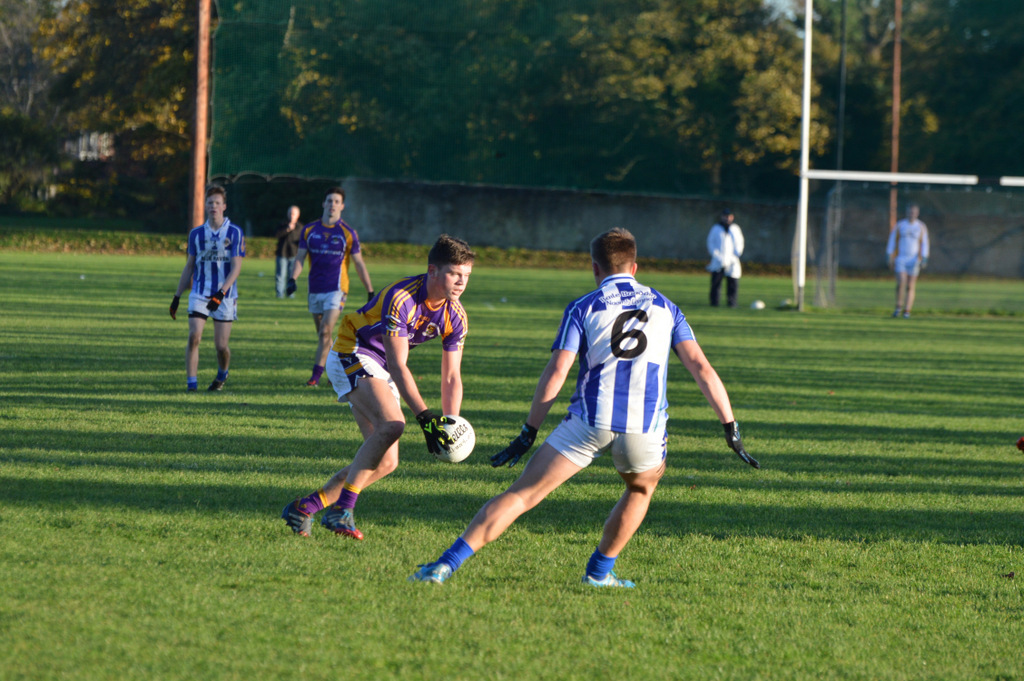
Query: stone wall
[[971, 233]]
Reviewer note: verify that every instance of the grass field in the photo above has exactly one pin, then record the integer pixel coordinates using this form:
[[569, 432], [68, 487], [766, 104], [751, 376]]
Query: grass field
[[140, 538]]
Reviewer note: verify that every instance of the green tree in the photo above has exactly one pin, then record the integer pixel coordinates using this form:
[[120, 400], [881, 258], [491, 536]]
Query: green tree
[[29, 144], [966, 120], [29, 150], [127, 67], [720, 80]]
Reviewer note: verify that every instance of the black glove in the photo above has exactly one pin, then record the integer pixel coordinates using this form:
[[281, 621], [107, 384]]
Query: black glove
[[732, 437], [369, 296], [290, 287], [174, 306], [433, 432], [515, 450], [215, 300]]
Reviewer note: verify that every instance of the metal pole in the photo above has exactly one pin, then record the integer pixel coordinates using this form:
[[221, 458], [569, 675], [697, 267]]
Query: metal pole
[[202, 110], [841, 132], [805, 161], [897, 58]]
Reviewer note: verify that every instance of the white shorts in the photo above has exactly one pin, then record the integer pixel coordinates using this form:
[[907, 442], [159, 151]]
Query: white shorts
[[227, 312], [631, 452], [320, 303], [911, 266], [346, 370]]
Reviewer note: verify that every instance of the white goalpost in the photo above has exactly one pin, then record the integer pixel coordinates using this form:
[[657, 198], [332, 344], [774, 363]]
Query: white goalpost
[[807, 174]]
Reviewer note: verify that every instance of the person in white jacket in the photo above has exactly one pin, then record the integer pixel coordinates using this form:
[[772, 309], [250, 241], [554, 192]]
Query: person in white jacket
[[725, 245]]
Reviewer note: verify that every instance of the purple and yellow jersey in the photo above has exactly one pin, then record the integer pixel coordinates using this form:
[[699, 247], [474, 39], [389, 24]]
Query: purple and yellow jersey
[[400, 310], [213, 251], [623, 333], [330, 248]]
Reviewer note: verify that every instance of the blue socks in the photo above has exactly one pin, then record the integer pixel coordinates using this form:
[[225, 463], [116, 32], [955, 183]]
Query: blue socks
[[600, 565], [222, 375], [193, 382], [455, 555]]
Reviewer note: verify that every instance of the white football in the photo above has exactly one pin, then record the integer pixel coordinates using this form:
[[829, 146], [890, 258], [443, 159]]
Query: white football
[[757, 305], [463, 439]]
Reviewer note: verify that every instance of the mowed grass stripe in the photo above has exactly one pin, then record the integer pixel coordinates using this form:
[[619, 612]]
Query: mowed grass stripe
[[140, 538]]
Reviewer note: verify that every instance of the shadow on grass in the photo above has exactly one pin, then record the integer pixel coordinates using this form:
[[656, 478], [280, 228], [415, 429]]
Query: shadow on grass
[[385, 507], [340, 438]]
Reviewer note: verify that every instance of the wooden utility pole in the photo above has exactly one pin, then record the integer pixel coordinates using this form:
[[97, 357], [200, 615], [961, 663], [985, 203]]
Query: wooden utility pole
[[897, 68], [202, 111]]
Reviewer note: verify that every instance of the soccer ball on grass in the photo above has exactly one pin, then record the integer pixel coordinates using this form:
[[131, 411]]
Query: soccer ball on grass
[[462, 440]]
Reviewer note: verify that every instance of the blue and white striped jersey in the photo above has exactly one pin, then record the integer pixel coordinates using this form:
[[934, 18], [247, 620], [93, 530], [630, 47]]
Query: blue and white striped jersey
[[623, 333], [213, 252]]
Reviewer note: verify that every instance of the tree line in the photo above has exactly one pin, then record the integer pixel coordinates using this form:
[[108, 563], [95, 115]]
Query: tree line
[[683, 97]]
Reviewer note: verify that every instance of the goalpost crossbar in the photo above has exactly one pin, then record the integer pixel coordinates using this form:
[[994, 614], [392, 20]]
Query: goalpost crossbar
[[867, 176]]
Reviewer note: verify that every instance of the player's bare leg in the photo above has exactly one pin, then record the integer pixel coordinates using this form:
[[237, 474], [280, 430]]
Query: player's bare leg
[[381, 417], [325, 329], [221, 336], [901, 291], [375, 402], [380, 420], [387, 465], [545, 472], [629, 512], [911, 291], [195, 336]]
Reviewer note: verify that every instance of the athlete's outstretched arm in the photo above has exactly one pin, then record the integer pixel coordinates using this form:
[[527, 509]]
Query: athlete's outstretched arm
[[397, 350], [704, 374], [300, 258], [236, 269], [185, 282], [362, 272], [549, 385], [451, 382], [692, 357]]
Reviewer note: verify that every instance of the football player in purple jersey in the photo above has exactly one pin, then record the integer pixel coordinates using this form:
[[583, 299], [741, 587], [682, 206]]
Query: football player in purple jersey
[[623, 333], [215, 252], [368, 369], [331, 244]]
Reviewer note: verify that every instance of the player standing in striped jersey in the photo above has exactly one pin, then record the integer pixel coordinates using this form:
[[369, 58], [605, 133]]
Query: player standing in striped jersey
[[368, 369], [215, 252], [622, 333], [330, 243]]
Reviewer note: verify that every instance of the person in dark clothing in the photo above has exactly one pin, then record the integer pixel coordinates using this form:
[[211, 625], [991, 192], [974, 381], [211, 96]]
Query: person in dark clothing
[[288, 235]]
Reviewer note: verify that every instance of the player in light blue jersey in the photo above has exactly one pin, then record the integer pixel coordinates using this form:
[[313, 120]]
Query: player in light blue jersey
[[907, 250], [623, 333], [215, 252]]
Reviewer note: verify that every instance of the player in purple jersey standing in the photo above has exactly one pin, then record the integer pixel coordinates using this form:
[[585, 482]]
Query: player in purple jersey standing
[[368, 369], [623, 333], [215, 252], [331, 244]]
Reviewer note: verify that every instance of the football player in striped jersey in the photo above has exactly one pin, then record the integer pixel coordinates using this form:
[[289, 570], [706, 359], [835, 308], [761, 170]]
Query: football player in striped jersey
[[368, 369], [622, 333], [214, 260], [331, 245]]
